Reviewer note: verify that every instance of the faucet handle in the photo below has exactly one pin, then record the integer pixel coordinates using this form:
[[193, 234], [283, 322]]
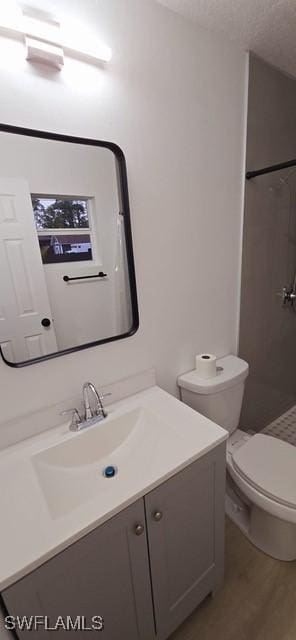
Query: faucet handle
[[105, 395], [76, 418]]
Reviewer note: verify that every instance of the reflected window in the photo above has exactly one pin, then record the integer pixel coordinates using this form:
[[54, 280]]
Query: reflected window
[[63, 228]]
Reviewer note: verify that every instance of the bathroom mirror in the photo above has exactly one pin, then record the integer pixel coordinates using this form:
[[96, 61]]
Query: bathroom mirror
[[67, 278]]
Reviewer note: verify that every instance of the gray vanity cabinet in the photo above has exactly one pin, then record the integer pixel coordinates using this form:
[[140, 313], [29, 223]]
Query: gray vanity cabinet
[[185, 526], [145, 570], [106, 574]]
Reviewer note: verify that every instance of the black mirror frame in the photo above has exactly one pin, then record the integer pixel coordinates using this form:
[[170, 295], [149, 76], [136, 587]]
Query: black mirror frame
[[125, 210]]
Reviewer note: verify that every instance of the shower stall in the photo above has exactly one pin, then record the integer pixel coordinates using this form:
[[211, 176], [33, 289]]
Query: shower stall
[[268, 294]]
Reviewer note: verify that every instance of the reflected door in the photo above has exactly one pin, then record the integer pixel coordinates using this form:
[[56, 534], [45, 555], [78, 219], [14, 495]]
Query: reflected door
[[26, 326]]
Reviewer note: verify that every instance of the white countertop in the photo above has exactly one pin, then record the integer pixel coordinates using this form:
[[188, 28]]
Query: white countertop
[[30, 534]]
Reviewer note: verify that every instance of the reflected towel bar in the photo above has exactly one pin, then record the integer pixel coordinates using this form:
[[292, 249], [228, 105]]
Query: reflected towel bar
[[101, 274]]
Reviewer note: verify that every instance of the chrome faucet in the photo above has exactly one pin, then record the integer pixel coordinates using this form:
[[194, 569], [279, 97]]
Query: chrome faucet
[[90, 416]]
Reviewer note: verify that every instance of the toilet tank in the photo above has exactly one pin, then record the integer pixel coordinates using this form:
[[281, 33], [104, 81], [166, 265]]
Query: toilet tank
[[219, 398]]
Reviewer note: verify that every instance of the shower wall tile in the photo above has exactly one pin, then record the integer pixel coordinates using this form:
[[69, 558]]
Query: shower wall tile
[[267, 331]]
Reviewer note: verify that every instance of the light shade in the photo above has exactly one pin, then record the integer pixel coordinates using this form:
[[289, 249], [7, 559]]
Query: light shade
[[40, 51], [47, 41]]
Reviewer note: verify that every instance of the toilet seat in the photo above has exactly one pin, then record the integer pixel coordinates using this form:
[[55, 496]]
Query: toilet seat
[[269, 466]]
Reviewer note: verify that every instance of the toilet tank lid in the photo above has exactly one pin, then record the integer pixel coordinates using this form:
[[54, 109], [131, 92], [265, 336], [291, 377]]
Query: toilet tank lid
[[230, 371]]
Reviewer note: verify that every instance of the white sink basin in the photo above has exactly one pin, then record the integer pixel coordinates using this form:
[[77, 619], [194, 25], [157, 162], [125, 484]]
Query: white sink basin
[[71, 473], [93, 443]]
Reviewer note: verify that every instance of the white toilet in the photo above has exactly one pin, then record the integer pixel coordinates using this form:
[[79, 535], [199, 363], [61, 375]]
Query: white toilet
[[261, 478]]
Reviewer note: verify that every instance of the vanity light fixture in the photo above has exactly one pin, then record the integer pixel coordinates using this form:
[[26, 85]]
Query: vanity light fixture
[[47, 41]]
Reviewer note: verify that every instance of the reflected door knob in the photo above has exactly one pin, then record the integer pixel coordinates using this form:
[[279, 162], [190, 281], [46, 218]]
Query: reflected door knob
[[139, 529], [46, 322], [157, 516]]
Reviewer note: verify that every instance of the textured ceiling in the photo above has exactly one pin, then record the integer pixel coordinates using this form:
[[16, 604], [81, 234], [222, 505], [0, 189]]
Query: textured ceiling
[[267, 27]]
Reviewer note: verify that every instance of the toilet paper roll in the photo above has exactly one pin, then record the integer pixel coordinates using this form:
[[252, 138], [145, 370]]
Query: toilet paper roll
[[205, 364]]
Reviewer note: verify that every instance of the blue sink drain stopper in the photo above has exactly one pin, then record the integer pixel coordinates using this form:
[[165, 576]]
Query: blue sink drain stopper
[[110, 472]]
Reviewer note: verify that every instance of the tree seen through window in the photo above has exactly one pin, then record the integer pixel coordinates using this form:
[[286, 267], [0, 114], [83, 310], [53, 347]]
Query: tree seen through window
[[63, 229], [60, 213]]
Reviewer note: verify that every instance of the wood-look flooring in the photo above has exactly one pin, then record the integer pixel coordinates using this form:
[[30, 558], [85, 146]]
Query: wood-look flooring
[[257, 602]]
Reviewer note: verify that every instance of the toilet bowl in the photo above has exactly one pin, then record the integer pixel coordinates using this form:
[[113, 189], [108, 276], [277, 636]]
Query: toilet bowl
[[261, 469]]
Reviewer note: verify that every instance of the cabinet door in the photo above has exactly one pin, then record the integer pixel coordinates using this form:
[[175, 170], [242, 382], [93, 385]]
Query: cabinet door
[[185, 523], [106, 574]]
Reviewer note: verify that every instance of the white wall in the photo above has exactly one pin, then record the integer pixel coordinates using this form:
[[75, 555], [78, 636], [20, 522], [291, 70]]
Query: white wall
[[173, 99]]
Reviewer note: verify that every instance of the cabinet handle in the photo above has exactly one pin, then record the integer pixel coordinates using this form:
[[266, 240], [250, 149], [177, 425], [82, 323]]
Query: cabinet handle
[[157, 516], [139, 529]]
